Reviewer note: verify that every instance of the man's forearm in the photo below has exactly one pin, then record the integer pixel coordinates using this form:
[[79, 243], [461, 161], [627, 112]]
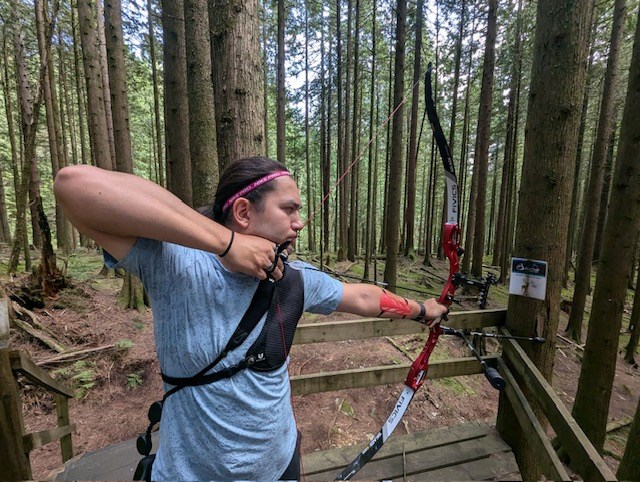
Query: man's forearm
[[128, 206]]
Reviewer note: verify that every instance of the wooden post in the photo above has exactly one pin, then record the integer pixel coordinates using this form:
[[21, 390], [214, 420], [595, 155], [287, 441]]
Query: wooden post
[[13, 460], [62, 407]]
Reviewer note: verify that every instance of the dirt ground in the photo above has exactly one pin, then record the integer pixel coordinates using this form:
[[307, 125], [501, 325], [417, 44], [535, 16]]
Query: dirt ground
[[115, 386]]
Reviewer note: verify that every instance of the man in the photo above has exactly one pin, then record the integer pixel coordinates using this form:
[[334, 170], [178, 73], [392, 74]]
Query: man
[[201, 271]]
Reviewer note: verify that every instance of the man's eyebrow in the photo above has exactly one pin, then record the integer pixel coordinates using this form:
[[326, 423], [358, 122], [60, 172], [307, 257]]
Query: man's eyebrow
[[292, 203]]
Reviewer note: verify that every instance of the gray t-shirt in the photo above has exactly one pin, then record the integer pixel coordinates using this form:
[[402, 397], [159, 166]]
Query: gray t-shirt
[[239, 428]]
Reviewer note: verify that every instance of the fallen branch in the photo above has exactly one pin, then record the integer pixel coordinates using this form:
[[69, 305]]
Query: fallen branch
[[571, 342], [40, 335], [400, 348], [618, 424], [72, 355], [35, 321]]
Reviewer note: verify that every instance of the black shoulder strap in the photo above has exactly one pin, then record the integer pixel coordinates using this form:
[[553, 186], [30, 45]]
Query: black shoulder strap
[[259, 305]]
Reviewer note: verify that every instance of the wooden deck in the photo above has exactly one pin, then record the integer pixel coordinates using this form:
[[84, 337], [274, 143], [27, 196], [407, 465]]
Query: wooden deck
[[466, 452]]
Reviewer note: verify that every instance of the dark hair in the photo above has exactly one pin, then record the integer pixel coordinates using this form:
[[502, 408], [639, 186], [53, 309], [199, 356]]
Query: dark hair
[[237, 175]]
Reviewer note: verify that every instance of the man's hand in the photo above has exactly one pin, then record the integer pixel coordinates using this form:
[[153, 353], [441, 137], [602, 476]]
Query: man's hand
[[254, 256], [434, 311]]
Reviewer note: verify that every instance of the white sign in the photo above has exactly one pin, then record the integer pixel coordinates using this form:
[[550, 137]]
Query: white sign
[[528, 278]]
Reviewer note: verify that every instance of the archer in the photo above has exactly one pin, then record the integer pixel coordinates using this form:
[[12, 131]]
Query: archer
[[233, 420]]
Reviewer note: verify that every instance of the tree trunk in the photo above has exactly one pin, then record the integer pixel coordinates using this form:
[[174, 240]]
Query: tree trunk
[[606, 192], [54, 128], [395, 165], [591, 406], [176, 103], [370, 243], [132, 292], [202, 120], [557, 85], [592, 202], [509, 162], [578, 163], [118, 86], [281, 100], [98, 132], [156, 95], [307, 154], [356, 121], [634, 327], [105, 79], [84, 157], [413, 130], [629, 468], [237, 79], [484, 127]]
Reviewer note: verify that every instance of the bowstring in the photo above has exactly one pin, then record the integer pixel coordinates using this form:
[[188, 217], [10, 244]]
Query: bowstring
[[360, 155]]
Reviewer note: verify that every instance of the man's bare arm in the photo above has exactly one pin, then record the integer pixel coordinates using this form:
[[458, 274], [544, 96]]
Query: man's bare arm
[[115, 209], [368, 300]]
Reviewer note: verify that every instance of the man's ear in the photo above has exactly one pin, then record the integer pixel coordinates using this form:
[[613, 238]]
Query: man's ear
[[241, 212]]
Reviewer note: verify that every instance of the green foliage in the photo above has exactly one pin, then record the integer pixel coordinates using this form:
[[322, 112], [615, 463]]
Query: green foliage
[[134, 380], [82, 376], [124, 344], [453, 385]]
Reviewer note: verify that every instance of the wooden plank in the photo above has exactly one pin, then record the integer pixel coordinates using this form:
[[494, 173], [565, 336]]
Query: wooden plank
[[432, 459], [20, 362], [500, 466], [382, 375], [13, 459], [336, 459], [546, 456], [4, 321], [38, 439], [584, 457], [62, 409], [413, 462], [378, 327]]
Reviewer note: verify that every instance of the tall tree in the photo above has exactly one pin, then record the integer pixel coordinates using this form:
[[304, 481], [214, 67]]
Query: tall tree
[[118, 85], [510, 141], [237, 79], [102, 49], [281, 140], [413, 130], [629, 468], [176, 103], [591, 406], [132, 293], [54, 131], [592, 202], [395, 162], [202, 120], [481, 157], [557, 84], [98, 132], [156, 96]]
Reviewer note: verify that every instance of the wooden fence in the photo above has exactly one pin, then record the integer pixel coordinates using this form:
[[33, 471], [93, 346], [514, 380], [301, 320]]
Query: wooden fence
[[14, 443]]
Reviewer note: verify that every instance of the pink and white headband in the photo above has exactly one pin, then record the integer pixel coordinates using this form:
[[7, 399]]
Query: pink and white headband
[[255, 184]]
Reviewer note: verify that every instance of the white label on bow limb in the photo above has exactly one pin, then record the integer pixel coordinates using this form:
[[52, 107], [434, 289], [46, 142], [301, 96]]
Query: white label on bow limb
[[528, 278], [401, 406]]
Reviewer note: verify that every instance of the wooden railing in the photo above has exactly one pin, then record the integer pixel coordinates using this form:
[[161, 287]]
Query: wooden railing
[[585, 459], [14, 458], [375, 327]]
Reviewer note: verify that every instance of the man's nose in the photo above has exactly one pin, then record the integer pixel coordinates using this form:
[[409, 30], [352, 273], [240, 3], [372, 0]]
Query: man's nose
[[297, 223]]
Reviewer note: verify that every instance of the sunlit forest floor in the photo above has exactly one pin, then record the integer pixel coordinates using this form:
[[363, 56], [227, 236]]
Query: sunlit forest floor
[[115, 384]]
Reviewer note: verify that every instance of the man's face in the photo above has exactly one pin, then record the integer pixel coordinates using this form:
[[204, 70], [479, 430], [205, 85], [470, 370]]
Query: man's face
[[279, 220]]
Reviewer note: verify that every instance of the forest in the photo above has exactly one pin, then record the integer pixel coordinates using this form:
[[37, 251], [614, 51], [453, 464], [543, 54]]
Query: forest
[[538, 103]]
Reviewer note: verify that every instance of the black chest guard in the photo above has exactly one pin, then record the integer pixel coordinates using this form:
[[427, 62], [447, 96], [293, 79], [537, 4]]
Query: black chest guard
[[271, 348]]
